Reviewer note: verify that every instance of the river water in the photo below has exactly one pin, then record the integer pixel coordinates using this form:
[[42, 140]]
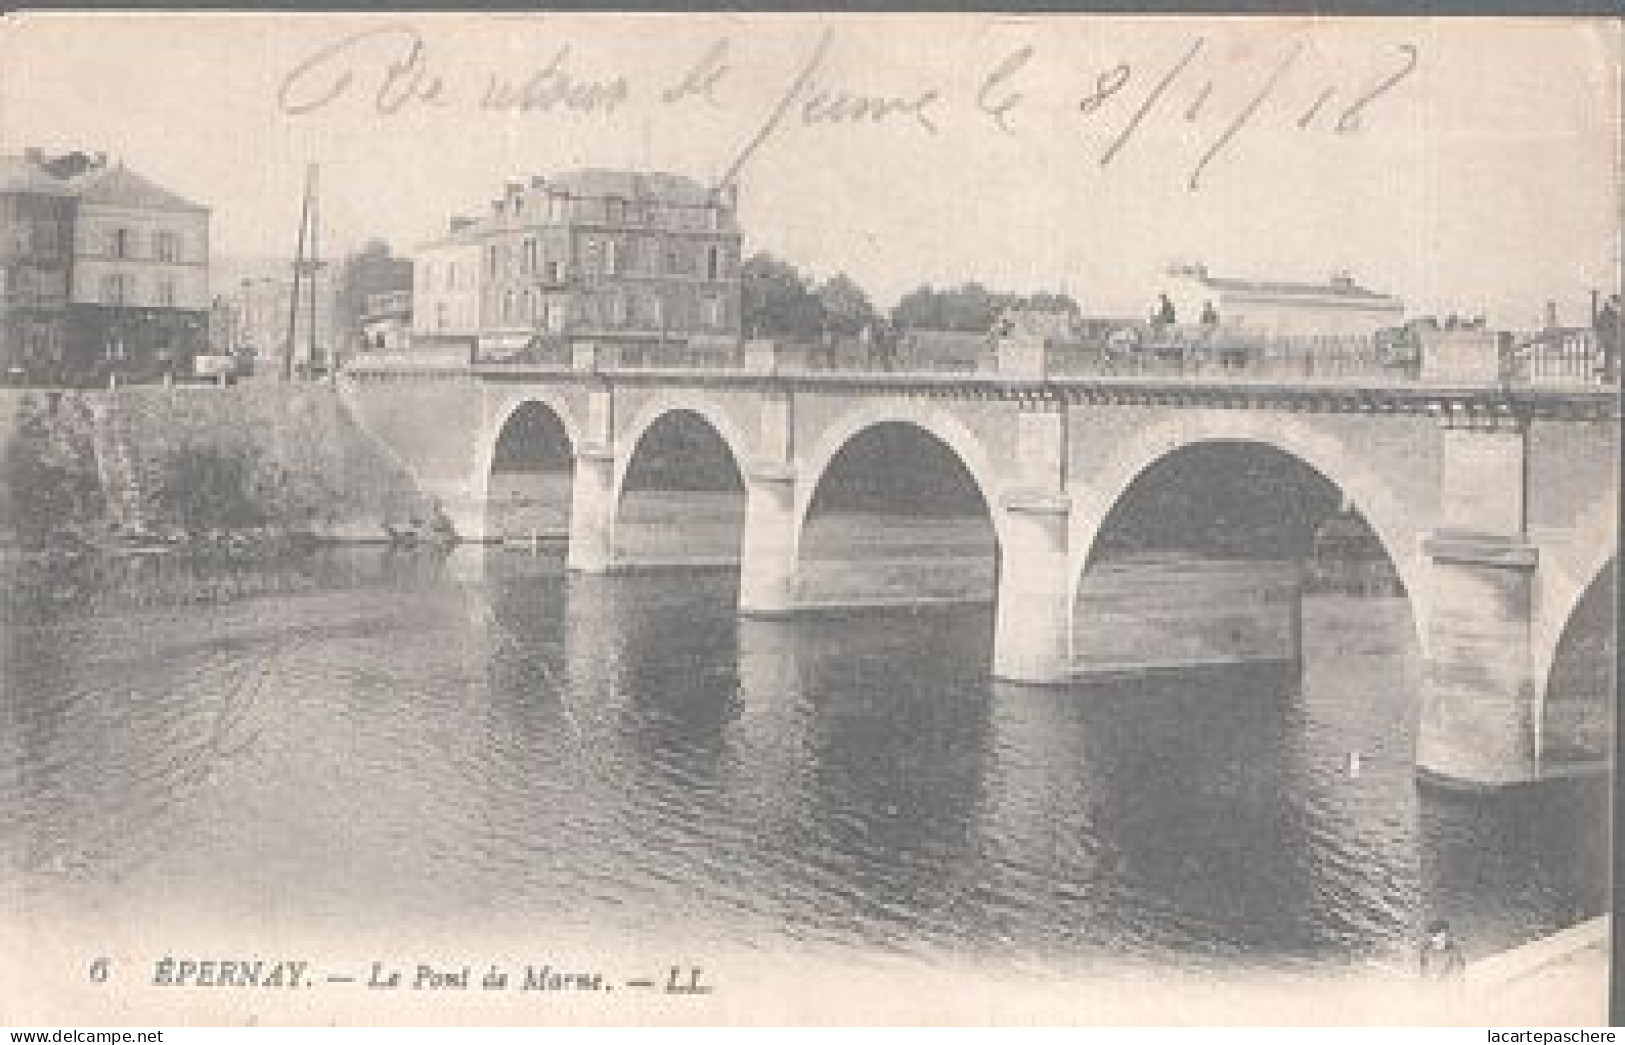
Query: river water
[[411, 744]]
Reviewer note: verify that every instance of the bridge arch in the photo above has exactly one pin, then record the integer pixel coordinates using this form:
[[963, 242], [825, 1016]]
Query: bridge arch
[[663, 406], [935, 422], [1567, 572], [554, 409], [680, 459], [1576, 666], [1398, 529]]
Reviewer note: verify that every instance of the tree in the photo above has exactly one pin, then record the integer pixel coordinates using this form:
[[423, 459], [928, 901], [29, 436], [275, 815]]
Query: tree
[[969, 307], [847, 311], [778, 301]]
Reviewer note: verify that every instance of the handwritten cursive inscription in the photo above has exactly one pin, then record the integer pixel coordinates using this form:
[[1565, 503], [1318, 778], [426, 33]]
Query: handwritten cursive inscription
[[402, 77], [554, 86], [391, 70]]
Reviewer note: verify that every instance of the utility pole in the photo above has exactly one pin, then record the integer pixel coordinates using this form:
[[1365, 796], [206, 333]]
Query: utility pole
[[304, 268], [315, 262]]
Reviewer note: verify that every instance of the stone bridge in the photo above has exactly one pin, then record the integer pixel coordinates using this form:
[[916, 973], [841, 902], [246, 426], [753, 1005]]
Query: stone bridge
[[1495, 503]]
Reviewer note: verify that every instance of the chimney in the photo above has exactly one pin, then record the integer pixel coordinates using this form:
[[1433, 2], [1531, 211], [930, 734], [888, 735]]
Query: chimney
[[1551, 315], [1342, 280]]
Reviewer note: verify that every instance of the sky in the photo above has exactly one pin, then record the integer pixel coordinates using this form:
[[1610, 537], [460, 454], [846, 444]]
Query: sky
[[1467, 165]]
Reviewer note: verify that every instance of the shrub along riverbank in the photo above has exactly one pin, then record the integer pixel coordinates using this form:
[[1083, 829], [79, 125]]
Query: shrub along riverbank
[[252, 472]]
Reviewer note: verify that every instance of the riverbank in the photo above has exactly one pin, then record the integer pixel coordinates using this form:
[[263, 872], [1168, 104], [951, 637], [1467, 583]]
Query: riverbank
[[246, 472]]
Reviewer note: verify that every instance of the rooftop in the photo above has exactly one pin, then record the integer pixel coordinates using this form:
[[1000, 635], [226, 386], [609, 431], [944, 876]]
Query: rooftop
[[21, 174], [120, 186], [633, 185], [1340, 285]]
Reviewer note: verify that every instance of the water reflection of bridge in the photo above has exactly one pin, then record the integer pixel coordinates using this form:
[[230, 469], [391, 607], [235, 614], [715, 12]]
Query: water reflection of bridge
[[1485, 476]]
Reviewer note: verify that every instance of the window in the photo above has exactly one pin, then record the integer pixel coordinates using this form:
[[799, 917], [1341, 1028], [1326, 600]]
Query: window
[[507, 306], [713, 312], [440, 315], [491, 260], [615, 210], [121, 243], [528, 264], [556, 206], [518, 202], [167, 246], [713, 215], [451, 275], [166, 293], [555, 316], [45, 238], [592, 257], [554, 272], [113, 289], [671, 261], [612, 257], [713, 263], [527, 308]]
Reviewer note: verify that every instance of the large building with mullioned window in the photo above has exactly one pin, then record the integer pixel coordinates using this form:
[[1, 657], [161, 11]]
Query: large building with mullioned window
[[104, 270], [638, 260]]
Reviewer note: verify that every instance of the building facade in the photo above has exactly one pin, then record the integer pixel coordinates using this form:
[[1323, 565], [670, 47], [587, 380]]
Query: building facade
[[386, 320], [36, 251], [643, 262], [138, 297], [1337, 308], [446, 284]]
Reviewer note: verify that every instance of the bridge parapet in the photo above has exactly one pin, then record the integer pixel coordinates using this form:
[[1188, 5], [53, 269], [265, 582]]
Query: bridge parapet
[[1572, 360]]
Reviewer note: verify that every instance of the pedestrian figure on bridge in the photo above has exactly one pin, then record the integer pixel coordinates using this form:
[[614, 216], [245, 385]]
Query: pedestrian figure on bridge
[[1610, 329], [1440, 957], [1163, 315]]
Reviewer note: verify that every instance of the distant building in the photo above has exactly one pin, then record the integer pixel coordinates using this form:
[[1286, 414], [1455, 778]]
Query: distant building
[[446, 287], [36, 251], [1337, 307], [139, 286], [386, 322], [257, 293], [374, 287], [636, 260]]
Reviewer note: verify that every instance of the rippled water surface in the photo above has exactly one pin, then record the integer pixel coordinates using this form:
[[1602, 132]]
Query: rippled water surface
[[377, 741]]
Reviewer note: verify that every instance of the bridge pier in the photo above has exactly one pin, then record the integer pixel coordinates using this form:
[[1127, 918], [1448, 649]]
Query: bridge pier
[[1481, 706], [1032, 632], [592, 511], [767, 558]]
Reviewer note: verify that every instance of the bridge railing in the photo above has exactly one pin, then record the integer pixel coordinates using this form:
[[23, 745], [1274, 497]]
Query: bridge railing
[[1209, 355], [538, 351], [708, 353], [1564, 358]]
